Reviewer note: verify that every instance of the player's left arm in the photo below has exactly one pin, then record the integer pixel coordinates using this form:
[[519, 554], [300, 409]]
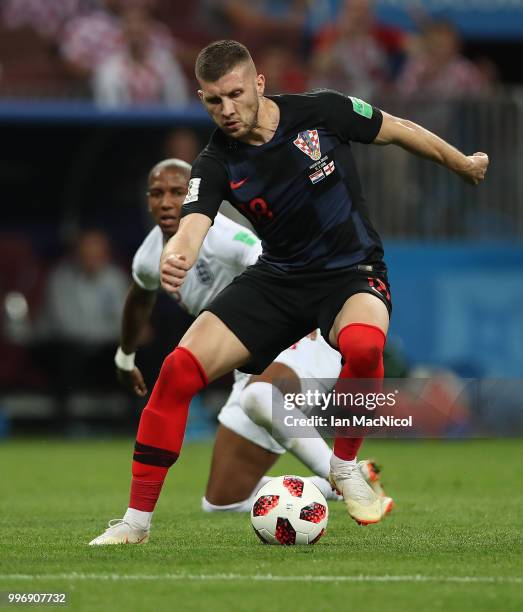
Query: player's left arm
[[420, 141]]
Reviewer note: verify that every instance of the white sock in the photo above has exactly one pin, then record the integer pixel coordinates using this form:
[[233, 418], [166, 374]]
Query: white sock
[[338, 465], [138, 519], [325, 487], [257, 402], [263, 481], [241, 506]]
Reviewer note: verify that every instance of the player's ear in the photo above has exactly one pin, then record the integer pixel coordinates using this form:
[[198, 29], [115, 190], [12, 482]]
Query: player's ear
[[260, 84]]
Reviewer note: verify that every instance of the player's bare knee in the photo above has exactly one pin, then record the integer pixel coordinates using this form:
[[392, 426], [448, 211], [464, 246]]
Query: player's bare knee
[[214, 345], [281, 376]]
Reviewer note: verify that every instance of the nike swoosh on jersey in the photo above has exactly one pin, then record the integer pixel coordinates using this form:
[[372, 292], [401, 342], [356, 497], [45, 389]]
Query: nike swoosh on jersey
[[238, 184]]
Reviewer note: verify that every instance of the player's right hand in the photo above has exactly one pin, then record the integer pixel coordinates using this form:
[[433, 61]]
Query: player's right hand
[[133, 381], [173, 270], [476, 169]]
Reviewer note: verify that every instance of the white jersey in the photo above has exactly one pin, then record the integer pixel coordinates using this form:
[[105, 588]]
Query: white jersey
[[227, 250]]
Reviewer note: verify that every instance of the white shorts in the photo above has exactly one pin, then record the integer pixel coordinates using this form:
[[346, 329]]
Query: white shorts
[[313, 361]]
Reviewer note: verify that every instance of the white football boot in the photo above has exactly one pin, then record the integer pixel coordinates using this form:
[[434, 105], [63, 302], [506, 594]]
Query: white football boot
[[371, 471], [364, 505], [120, 532]]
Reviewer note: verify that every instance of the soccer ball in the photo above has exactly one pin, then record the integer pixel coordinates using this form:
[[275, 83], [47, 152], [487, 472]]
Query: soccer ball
[[289, 510]]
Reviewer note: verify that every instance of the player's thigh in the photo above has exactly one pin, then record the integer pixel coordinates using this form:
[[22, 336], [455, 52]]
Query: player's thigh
[[280, 375], [314, 362], [236, 468], [214, 345], [360, 308]]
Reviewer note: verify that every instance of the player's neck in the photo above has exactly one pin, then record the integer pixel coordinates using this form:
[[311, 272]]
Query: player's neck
[[267, 124]]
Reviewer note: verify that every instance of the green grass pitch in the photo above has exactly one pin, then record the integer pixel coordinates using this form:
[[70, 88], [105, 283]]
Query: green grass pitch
[[453, 543]]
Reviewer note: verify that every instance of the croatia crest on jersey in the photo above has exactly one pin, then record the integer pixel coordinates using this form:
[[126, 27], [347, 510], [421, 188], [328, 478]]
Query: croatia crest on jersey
[[309, 143]]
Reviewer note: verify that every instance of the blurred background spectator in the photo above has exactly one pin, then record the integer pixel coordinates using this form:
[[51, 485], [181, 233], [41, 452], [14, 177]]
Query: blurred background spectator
[[46, 17], [138, 51], [79, 323], [182, 143], [263, 22], [88, 39], [139, 72], [284, 72], [357, 54], [54, 48], [436, 69], [84, 295]]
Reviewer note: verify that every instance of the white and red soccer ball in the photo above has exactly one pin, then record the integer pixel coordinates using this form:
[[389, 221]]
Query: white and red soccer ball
[[289, 510]]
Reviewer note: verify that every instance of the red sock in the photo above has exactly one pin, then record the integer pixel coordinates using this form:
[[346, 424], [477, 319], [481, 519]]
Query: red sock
[[162, 426], [361, 346]]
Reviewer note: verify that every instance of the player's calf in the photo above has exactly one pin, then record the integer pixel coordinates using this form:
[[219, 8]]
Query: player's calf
[[260, 401]]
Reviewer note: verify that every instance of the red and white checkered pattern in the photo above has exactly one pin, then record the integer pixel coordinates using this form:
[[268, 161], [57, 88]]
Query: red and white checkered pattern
[[45, 16], [458, 77], [90, 39], [309, 143]]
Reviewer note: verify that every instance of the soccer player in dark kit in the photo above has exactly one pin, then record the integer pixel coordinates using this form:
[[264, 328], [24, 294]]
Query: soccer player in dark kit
[[286, 163]]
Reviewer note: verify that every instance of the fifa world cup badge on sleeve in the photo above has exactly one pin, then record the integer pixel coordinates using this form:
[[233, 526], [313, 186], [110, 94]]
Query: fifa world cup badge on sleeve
[[194, 191], [362, 108]]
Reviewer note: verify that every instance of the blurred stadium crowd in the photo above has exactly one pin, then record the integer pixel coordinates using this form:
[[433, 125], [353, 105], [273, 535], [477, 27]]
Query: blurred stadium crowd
[[77, 201], [134, 52]]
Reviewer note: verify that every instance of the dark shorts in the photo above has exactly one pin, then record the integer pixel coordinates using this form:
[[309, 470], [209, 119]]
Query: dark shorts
[[270, 310]]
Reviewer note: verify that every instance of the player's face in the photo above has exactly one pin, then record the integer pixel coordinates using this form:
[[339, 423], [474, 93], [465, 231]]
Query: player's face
[[166, 193], [233, 100]]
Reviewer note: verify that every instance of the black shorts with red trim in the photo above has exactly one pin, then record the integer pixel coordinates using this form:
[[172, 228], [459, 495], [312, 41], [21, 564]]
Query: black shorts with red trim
[[269, 310]]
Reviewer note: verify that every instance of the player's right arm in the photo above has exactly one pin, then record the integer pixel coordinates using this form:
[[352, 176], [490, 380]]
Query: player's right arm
[[182, 250], [207, 189]]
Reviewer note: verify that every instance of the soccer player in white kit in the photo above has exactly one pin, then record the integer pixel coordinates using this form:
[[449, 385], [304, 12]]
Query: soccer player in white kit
[[244, 448]]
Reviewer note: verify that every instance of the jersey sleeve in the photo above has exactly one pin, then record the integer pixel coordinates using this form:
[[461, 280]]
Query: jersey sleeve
[[349, 117], [233, 244], [207, 187], [143, 276], [247, 248]]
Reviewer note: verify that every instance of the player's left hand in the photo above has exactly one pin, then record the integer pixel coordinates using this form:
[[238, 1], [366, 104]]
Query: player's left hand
[[476, 169], [133, 381]]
